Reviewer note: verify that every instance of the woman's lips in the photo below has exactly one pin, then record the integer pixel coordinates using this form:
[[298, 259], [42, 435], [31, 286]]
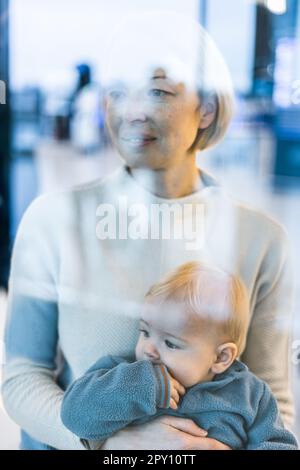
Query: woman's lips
[[137, 141]]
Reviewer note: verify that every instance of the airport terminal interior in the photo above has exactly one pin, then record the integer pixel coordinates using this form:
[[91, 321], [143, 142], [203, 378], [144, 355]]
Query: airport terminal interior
[[52, 125]]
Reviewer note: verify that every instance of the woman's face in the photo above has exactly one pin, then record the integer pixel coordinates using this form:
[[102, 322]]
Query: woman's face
[[154, 123]]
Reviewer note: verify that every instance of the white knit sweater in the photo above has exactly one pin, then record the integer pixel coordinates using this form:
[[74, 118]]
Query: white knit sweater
[[74, 297]]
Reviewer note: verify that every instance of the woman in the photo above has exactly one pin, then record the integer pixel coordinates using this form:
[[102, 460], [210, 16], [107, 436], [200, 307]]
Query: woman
[[83, 259]]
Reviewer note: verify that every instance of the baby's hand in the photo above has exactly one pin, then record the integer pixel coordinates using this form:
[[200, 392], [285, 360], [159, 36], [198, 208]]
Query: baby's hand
[[176, 390]]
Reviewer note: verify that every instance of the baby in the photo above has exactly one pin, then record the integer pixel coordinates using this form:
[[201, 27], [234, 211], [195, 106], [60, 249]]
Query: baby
[[193, 327]]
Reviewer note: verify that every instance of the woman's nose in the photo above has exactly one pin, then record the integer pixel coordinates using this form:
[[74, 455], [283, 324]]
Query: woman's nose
[[134, 110]]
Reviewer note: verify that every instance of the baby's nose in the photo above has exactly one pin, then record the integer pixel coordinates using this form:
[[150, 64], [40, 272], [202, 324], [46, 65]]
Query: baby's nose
[[152, 353]]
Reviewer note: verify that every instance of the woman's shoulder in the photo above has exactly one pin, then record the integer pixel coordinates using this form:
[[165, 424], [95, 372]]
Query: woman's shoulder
[[252, 220], [64, 202], [260, 222], [45, 208], [247, 216], [98, 184]]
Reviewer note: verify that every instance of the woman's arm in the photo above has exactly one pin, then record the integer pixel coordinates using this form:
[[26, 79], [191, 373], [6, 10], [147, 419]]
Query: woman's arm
[[164, 433], [30, 394], [267, 352], [112, 394]]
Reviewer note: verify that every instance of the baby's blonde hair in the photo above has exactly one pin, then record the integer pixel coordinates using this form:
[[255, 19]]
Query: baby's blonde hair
[[212, 294]]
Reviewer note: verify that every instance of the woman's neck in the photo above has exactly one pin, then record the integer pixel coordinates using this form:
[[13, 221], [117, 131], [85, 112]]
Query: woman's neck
[[169, 183]]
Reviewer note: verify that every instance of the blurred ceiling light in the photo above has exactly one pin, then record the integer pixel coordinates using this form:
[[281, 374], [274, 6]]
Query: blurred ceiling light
[[276, 6]]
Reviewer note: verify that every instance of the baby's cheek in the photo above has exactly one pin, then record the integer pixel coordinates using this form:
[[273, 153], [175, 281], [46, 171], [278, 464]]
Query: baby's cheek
[[188, 375], [180, 372], [138, 351]]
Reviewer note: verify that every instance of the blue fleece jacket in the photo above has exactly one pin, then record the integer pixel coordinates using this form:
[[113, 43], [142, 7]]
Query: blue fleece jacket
[[235, 408]]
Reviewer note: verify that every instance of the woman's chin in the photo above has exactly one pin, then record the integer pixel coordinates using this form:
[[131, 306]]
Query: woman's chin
[[141, 160]]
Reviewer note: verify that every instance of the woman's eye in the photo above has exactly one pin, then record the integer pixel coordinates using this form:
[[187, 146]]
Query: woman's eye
[[158, 93], [116, 94], [171, 345]]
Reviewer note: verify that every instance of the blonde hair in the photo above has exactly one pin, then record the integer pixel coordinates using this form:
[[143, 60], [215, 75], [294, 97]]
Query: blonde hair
[[153, 39], [213, 295]]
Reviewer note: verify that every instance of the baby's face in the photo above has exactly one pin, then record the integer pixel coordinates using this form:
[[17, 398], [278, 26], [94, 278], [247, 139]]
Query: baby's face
[[182, 342]]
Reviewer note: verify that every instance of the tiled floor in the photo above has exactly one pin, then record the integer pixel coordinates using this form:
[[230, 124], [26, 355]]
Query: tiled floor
[[59, 166]]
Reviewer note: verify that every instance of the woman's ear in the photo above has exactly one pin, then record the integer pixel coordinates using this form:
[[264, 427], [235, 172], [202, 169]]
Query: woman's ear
[[208, 112], [226, 354]]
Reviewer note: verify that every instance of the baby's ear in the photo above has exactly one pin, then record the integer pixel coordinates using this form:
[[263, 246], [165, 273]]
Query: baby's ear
[[226, 354]]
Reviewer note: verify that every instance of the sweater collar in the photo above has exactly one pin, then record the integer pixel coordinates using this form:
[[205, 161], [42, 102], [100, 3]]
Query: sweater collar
[[208, 181]]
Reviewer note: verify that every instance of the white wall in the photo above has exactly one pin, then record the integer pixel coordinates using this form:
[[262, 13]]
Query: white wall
[[232, 25], [48, 37]]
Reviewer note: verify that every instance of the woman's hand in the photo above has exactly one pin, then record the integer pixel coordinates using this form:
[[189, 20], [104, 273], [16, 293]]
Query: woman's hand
[[165, 432]]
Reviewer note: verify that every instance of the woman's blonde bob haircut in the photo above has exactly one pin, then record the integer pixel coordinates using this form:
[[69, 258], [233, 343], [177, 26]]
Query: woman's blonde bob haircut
[[210, 294], [146, 41]]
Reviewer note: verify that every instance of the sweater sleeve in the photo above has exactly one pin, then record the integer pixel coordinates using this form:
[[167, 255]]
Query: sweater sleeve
[[30, 394], [109, 397], [267, 431], [267, 352]]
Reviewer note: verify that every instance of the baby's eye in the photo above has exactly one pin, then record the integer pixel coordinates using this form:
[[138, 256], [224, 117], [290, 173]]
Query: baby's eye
[[146, 334], [171, 345]]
